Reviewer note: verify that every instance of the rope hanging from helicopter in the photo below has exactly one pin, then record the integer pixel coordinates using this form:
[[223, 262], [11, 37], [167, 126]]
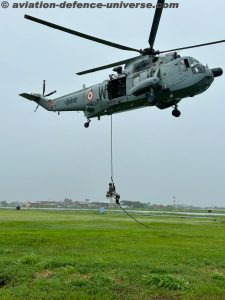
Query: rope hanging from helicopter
[[111, 142], [112, 185]]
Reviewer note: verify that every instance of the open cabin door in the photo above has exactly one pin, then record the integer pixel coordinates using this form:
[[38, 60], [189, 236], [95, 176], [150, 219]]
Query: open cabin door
[[116, 87]]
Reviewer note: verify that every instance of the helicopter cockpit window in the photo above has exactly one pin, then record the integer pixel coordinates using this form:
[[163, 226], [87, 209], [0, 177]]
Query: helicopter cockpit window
[[193, 61], [196, 66], [198, 69], [142, 65]]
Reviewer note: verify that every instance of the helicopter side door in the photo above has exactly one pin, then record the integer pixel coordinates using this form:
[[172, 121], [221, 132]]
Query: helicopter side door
[[116, 87], [176, 74], [169, 74], [184, 69]]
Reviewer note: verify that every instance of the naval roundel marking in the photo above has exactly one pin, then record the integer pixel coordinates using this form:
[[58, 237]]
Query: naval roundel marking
[[50, 104], [90, 95]]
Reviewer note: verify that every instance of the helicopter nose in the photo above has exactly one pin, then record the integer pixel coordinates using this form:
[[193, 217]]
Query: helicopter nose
[[217, 72]]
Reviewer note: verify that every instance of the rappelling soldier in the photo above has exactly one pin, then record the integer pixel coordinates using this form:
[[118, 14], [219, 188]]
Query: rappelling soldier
[[111, 193]]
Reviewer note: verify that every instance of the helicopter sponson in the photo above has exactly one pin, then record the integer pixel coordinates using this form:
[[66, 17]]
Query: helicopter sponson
[[144, 86]]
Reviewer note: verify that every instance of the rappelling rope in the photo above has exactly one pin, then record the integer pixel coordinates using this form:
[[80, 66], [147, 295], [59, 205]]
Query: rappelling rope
[[129, 215], [133, 217], [111, 150]]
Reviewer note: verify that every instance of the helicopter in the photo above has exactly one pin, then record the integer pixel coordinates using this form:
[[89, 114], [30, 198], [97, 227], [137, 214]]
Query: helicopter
[[153, 78]]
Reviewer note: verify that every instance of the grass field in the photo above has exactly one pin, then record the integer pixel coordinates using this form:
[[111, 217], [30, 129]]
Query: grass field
[[85, 255]]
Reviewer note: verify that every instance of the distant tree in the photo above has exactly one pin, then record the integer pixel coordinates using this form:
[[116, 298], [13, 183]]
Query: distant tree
[[127, 203], [4, 203], [68, 201], [134, 204]]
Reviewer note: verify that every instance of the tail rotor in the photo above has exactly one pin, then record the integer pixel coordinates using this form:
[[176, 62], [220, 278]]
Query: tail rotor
[[43, 94]]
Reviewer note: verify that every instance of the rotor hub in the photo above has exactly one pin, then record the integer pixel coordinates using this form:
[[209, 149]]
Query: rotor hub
[[150, 51]]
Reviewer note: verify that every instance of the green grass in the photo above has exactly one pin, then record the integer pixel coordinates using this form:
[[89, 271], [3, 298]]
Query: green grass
[[85, 255]]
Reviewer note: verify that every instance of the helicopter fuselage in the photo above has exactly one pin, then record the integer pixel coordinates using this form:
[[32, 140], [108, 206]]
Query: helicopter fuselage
[[153, 81]]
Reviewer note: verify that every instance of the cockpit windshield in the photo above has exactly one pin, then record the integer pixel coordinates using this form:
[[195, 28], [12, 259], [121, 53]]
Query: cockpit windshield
[[196, 66], [193, 61], [198, 69]]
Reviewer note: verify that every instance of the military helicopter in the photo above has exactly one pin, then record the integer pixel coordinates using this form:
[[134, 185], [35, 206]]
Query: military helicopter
[[154, 78]]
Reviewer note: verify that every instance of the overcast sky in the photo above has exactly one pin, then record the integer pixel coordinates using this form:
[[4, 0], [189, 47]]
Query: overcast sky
[[44, 156]]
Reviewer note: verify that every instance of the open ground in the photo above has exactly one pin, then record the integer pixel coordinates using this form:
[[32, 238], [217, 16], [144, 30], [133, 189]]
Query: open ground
[[87, 255]]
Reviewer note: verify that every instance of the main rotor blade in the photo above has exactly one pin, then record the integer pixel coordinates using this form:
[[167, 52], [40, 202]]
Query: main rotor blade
[[122, 62], [194, 46], [82, 35], [155, 23]]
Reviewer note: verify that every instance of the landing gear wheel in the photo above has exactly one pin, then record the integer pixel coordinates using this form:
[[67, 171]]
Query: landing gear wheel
[[86, 124], [176, 113]]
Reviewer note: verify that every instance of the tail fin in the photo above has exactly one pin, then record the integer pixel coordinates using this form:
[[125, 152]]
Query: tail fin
[[40, 100], [31, 97]]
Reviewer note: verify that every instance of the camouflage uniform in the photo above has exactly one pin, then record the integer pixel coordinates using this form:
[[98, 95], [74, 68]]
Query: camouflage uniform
[[111, 193]]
